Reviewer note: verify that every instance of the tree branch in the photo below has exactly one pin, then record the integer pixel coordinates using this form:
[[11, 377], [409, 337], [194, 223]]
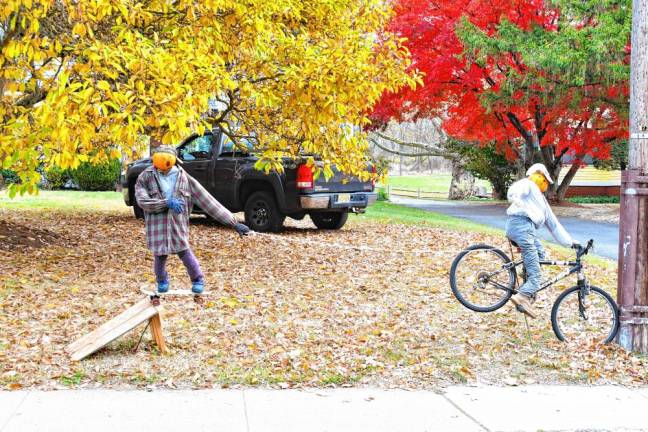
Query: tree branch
[[441, 153], [409, 144], [519, 126]]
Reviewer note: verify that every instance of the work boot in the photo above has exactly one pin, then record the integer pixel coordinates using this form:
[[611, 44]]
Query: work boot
[[163, 286], [523, 304], [197, 287]]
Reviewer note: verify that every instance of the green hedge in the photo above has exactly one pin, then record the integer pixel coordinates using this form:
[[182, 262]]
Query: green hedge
[[101, 177], [9, 176], [57, 177], [594, 199]]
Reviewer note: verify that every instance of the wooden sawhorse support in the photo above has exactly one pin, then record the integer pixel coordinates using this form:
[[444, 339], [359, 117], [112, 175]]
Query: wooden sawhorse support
[[148, 309]]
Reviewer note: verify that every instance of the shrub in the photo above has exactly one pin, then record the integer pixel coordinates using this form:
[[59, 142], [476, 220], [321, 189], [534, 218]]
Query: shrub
[[100, 177], [594, 199], [57, 177], [486, 163], [9, 176], [382, 194]]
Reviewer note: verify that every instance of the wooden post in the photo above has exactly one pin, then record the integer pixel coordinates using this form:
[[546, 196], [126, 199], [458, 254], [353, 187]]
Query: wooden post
[[633, 230], [156, 332]]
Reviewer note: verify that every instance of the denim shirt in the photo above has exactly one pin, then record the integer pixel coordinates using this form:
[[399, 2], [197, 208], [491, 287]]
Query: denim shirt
[[168, 182]]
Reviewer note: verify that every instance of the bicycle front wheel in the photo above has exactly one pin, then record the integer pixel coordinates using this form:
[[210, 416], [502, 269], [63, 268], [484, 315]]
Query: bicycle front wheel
[[587, 318], [481, 278]]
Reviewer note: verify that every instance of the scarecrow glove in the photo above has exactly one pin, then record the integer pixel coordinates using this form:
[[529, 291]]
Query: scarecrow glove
[[241, 229], [175, 204]]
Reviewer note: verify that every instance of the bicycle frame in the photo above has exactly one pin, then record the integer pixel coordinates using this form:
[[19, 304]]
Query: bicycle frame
[[575, 267]]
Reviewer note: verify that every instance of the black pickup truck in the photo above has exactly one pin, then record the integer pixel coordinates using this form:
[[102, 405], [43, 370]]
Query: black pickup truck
[[229, 175]]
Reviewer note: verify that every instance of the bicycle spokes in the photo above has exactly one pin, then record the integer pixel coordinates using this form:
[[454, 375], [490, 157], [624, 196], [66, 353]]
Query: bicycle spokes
[[585, 317], [481, 279]]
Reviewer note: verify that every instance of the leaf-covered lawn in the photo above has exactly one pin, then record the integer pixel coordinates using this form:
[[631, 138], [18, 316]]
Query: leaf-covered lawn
[[297, 309]]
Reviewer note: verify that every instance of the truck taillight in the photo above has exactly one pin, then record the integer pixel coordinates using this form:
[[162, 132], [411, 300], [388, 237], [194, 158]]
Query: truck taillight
[[304, 177]]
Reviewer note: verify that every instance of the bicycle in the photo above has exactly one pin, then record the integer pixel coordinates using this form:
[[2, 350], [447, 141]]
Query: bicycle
[[483, 279]]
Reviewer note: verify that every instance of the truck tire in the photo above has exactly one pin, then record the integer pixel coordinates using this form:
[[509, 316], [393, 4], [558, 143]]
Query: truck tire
[[137, 211], [329, 220], [262, 213]]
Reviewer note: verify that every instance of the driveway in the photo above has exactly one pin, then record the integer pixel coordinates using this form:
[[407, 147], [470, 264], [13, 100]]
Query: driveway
[[605, 235]]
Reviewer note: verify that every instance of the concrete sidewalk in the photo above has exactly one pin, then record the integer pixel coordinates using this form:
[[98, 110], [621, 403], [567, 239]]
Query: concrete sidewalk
[[526, 408]]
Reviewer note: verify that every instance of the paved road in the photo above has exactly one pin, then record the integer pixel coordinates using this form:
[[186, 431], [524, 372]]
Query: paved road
[[605, 235], [457, 409]]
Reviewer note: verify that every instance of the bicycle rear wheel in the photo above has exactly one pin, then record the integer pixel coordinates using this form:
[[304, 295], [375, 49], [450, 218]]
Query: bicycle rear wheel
[[480, 278], [590, 318]]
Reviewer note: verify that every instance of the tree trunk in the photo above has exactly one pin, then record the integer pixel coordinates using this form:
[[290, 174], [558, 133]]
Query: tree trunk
[[2, 182], [561, 190], [462, 185]]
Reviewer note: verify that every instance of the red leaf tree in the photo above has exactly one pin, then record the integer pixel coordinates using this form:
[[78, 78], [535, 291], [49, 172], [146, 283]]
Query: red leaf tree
[[545, 81]]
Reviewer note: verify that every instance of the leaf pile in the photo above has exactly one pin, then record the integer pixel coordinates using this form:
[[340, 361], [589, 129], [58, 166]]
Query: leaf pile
[[302, 308], [14, 236]]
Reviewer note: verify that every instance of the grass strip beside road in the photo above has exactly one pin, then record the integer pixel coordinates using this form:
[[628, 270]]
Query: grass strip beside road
[[386, 212], [431, 183]]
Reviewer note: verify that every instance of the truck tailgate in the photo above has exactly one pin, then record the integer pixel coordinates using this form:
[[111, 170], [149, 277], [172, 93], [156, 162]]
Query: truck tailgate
[[341, 183]]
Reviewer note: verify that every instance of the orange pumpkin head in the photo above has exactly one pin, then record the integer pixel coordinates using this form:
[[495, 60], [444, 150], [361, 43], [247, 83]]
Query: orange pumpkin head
[[163, 161], [540, 180]]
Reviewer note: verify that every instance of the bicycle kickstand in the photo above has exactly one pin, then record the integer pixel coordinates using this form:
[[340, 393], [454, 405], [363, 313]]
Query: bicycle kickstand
[[526, 321]]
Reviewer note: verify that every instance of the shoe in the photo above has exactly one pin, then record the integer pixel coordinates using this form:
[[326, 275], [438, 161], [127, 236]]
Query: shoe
[[198, 286], [523, 304], [163, 286]]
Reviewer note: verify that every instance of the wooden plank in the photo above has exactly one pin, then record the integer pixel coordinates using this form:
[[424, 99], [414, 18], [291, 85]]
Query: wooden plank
[[158, 335], [181, 292], [115, 332], [124, 316]]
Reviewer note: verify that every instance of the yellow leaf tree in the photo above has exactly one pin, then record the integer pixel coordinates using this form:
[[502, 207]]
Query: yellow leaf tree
[[85, 79]]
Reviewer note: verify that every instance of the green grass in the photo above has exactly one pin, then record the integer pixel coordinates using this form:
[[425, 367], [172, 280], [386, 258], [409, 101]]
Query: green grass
[[386, 212], [431, 183], [65, 201]]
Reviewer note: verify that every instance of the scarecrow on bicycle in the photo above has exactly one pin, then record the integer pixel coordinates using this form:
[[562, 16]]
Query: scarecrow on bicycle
[[529, 211]]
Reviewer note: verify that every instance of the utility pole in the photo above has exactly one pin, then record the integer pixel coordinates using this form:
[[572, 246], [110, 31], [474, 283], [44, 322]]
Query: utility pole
[[633, 236]]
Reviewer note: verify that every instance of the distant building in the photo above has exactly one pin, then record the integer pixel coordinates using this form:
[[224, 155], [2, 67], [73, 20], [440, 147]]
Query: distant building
[[590, 181]]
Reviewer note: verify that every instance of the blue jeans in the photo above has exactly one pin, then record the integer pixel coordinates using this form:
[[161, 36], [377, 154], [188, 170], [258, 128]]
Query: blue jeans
[[522, 231]]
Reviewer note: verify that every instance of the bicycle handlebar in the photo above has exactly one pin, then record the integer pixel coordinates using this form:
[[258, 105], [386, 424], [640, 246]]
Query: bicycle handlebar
[[584, 250]]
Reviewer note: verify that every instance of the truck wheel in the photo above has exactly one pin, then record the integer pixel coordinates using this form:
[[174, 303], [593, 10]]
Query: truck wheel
[[138, 212], [329, 220], [262, 214]]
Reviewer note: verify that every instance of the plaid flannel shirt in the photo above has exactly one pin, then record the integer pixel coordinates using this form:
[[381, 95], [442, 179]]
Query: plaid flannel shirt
[[166, 231]]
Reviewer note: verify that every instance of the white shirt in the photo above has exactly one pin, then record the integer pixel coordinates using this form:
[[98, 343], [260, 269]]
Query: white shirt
[[527, 200]]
